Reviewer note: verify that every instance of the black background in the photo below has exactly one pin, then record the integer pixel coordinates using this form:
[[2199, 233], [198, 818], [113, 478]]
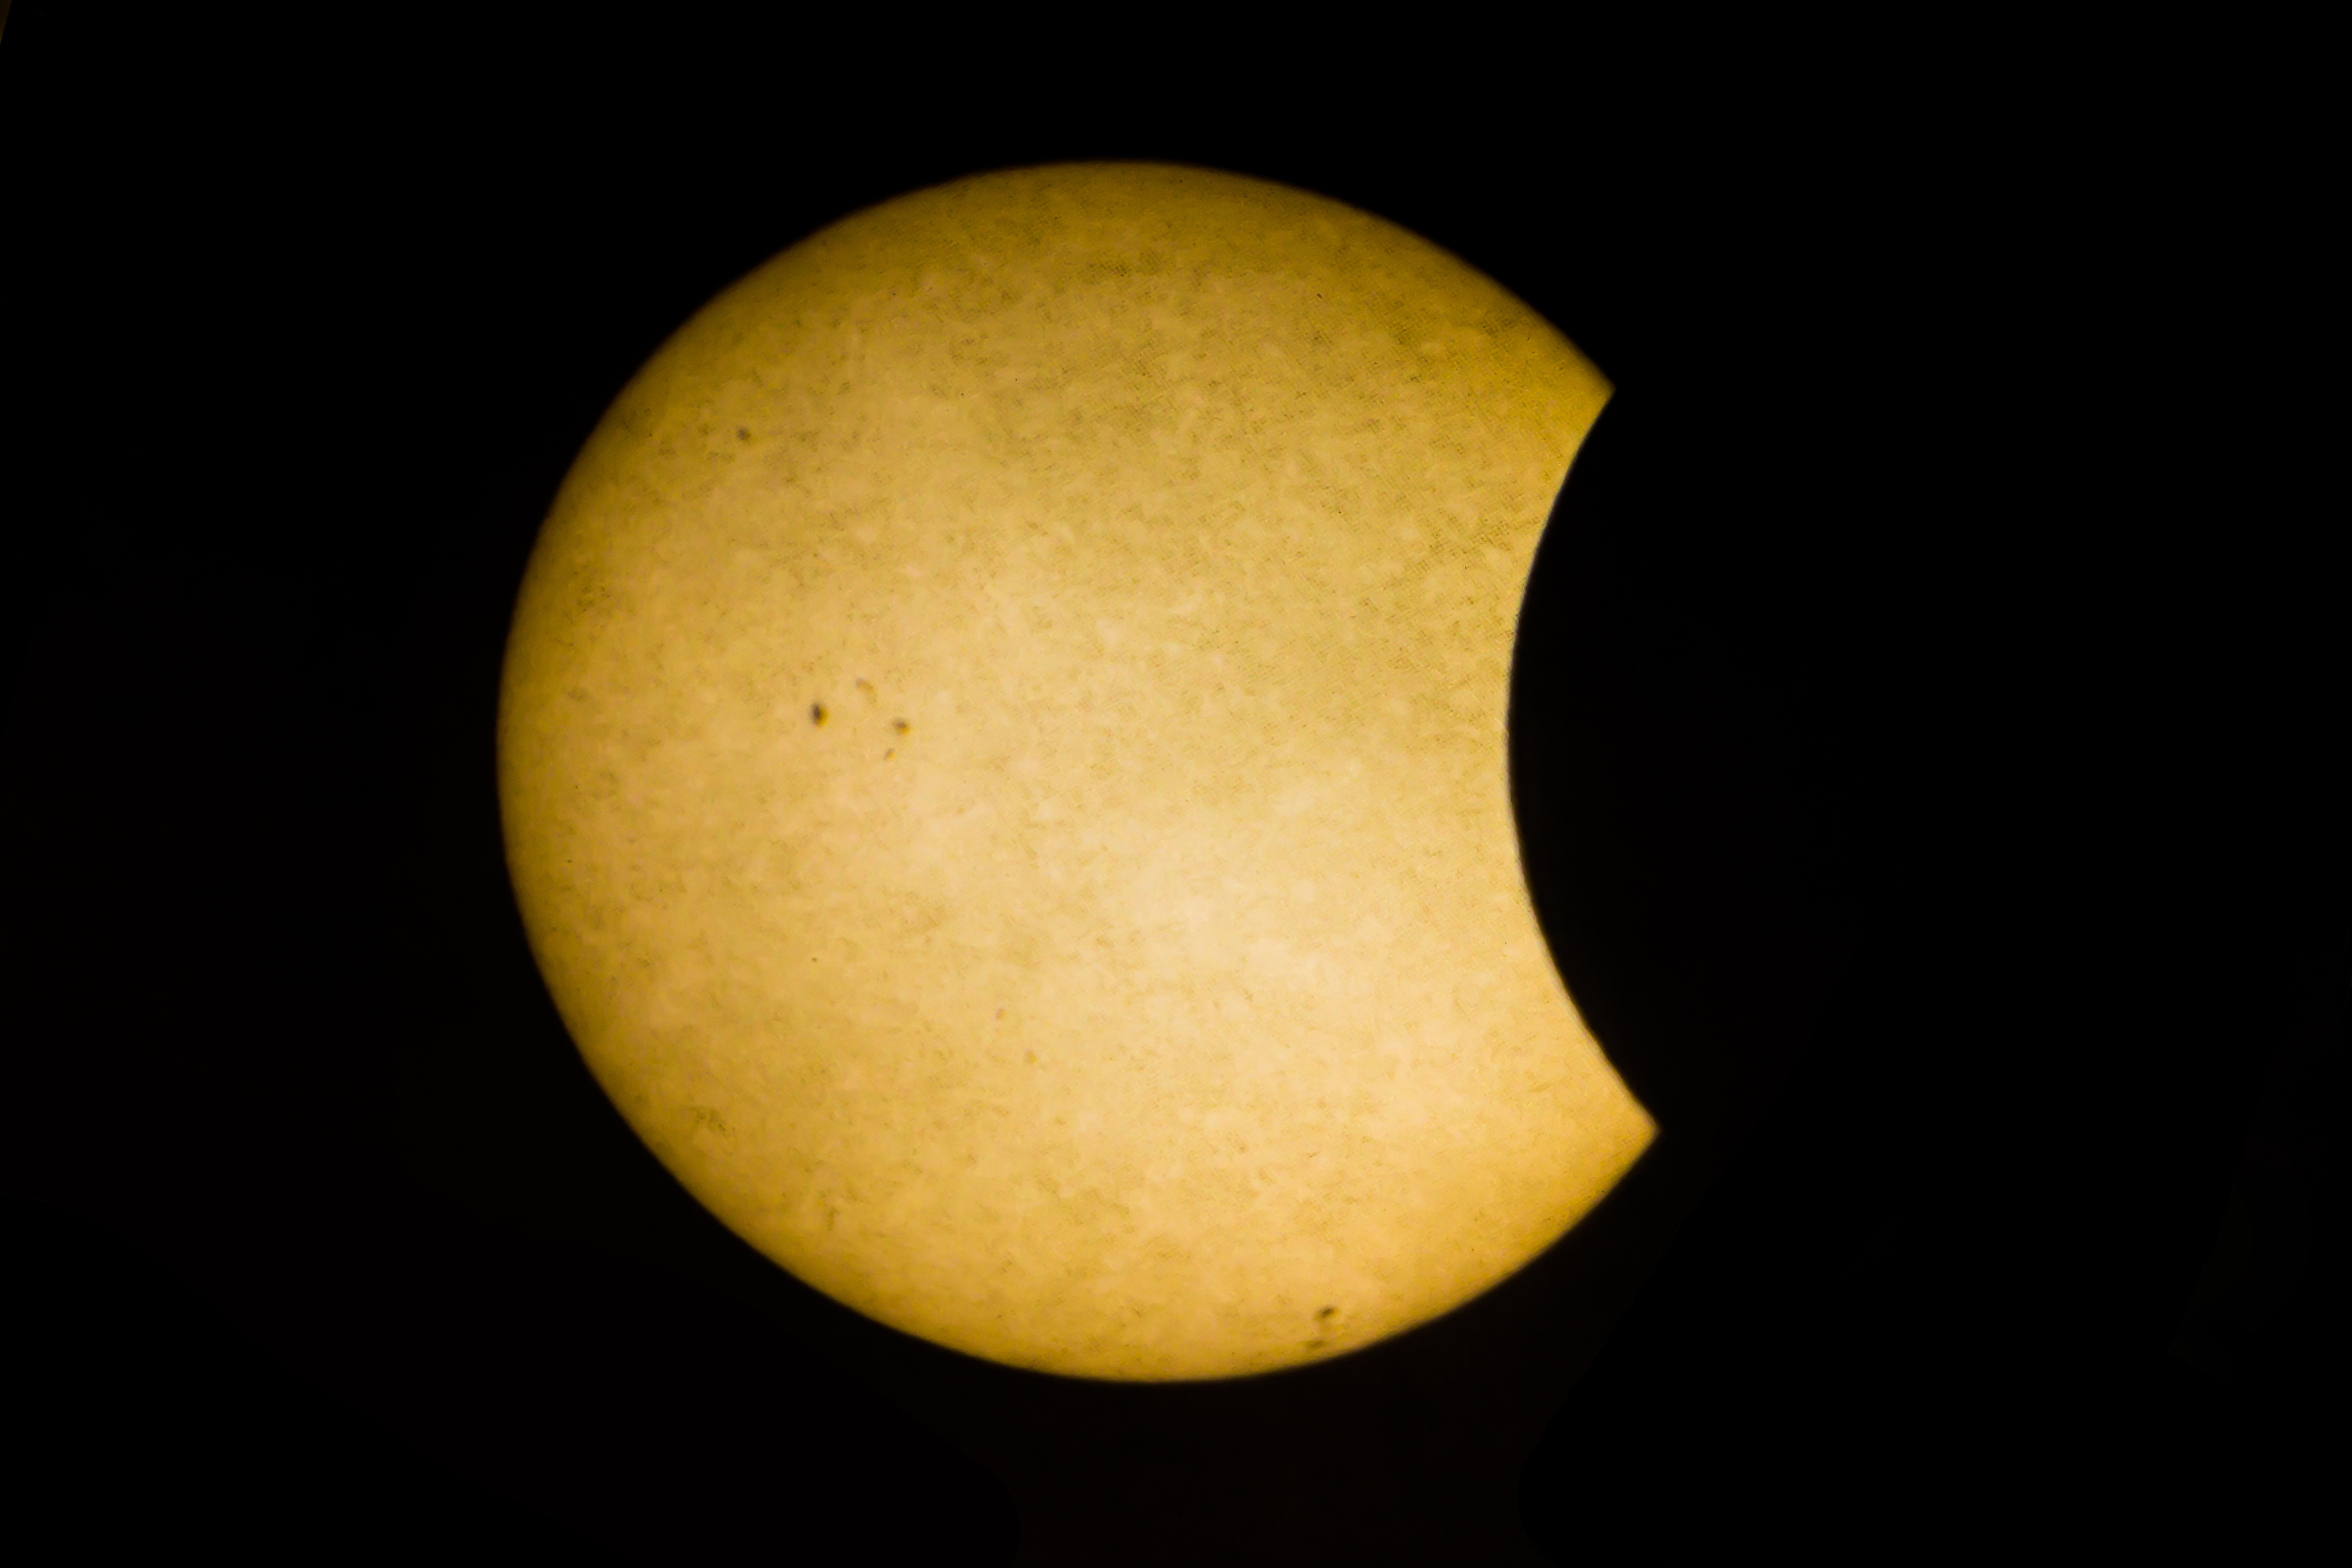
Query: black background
[[1923, 733]]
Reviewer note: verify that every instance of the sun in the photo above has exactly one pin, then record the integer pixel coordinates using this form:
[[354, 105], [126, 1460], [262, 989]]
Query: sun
[[1002, 761]]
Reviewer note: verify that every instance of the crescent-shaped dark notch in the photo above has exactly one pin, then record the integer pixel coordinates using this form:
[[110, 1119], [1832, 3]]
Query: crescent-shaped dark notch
[[1675, 821]]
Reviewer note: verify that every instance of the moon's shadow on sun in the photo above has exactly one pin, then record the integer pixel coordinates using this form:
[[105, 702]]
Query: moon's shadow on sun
[[1671, 809]]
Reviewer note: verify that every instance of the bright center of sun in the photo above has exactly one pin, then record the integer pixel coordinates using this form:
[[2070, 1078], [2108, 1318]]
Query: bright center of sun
[[1004, 766]]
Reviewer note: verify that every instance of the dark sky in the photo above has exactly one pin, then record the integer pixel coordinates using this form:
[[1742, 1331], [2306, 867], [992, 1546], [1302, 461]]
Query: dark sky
[[1924, 731]]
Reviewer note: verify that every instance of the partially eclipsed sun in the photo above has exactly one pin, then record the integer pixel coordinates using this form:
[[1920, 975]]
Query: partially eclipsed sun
[[1003, 761]]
